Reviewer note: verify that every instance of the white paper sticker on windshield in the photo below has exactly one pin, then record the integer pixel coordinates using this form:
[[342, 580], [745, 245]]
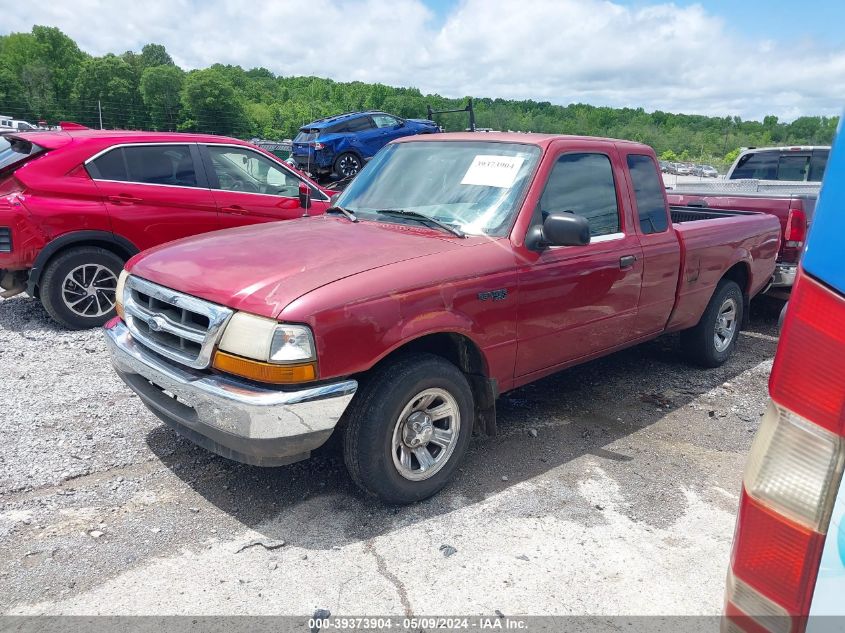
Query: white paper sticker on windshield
[[493, 171]]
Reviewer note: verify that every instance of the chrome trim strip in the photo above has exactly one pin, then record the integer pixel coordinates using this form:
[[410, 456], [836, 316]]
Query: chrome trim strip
[[324, 197], [140, 144], [607, 238]]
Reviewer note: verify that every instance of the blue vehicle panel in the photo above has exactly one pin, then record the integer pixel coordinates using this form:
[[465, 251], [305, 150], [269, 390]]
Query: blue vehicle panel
[[344, 143], [823, 258], [824, 261]]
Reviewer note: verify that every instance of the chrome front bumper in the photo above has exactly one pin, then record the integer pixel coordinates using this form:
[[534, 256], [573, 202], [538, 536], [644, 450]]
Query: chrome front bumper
[[233, 418]]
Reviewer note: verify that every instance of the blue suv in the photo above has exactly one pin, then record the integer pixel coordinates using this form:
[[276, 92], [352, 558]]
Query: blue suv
[[343, 143]]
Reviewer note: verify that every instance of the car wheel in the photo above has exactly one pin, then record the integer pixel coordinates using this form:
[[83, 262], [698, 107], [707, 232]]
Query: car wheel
[[78, 286], [712, 341], [408, 428], [347, 165]]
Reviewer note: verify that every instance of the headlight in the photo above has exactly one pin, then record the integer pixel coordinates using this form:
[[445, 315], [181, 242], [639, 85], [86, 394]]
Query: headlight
[[262, 349], [118, 293], [267, 340]]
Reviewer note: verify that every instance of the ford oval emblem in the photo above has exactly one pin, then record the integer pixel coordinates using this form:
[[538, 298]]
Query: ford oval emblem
[[156, 324]]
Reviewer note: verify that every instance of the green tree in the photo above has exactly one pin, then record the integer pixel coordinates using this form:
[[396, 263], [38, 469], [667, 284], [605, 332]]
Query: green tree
[[210, 104], [155, 55], [669, 155], [731, 156], [108, 81], [161, 87]]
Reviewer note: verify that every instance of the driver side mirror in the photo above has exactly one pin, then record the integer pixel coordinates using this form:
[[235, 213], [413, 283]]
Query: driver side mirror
[[304, 196], [559, 229]]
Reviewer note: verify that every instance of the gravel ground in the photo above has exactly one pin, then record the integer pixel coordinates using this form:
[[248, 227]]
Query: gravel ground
[[611, 489]]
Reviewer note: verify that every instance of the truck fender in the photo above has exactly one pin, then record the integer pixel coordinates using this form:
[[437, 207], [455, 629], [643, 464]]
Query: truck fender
[[485, 389], [118, 244]]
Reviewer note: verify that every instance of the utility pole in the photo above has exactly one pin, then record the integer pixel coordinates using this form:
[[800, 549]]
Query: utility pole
[[100, 110]]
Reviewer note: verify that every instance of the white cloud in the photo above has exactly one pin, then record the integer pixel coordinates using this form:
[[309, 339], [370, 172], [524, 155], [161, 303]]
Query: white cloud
[[657, 57]]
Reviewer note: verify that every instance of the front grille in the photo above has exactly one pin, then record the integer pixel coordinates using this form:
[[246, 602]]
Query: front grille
[[178, 326], [5, 239]]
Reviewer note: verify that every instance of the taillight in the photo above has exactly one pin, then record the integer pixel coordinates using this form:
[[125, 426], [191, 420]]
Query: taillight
[[10, 185], [794, 469], [796, 228], [318, 145], [807, 377]]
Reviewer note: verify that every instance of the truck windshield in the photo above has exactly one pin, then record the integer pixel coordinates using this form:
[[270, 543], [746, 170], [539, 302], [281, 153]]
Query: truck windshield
[[474, 186]]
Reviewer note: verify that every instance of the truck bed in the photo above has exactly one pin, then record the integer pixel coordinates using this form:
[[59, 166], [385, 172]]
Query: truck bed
[[681, 214], [710, 237]]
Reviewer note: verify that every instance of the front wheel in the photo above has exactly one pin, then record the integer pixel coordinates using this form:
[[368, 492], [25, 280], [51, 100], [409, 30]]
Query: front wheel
[[347, 165], [409, 428], [712, 341]]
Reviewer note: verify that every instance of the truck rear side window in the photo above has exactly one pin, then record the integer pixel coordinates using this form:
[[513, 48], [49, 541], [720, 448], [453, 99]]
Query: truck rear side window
[[648, 191], [583, 184]]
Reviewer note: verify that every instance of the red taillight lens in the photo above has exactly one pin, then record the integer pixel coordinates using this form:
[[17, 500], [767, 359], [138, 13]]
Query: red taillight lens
[[807, 377], [318, 146], [10, 185], [775, 556], [796, 228]]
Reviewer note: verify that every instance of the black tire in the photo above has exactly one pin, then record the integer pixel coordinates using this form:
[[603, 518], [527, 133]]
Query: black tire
[[374, 416], [56, 300], [347, 164], [700, 342]]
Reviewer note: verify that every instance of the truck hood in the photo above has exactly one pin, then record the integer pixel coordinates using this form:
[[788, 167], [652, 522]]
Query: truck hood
[[262, 268]]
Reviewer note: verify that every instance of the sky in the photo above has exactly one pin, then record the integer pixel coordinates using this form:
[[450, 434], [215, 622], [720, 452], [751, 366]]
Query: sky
[[718, 57]]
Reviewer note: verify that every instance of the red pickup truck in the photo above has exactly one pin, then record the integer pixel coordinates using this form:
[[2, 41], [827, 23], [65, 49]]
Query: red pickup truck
[[76, 204], [455, 267]]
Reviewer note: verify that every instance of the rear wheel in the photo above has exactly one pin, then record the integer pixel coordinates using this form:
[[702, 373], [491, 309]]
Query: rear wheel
[[347, 165], [712, 341], [409, 428], [78, 286]]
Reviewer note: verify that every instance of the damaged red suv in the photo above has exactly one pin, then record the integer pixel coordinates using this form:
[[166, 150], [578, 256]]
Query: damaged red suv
[[76, 204]]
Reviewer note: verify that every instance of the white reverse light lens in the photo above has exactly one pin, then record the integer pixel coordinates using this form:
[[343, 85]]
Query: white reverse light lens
[[794, 466], [771, 616], [291, 343]]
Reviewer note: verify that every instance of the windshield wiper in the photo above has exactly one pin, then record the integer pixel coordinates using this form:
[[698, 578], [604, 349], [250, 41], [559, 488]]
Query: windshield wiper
[[422, 217], [346, 212]]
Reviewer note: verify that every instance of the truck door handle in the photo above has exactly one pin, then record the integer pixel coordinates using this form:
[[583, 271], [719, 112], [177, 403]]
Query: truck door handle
[[124, 198], [626, 261], [235, 209]]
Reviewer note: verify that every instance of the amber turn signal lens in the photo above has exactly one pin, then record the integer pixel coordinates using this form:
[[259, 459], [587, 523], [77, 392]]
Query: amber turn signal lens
[[264, 372]]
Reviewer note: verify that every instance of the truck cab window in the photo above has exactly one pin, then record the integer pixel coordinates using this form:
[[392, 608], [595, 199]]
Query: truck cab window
[[817, 165], [792, 167], [759, 165], [648, 191], [583, 184]]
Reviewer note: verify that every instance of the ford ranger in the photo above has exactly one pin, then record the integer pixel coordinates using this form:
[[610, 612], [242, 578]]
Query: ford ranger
[[455, 267]]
